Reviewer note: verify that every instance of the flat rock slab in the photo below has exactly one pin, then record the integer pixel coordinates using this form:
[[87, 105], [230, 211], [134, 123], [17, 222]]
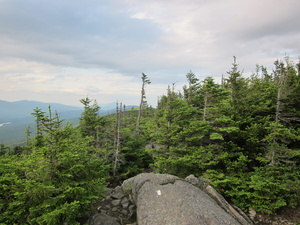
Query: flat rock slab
[[168, 200]]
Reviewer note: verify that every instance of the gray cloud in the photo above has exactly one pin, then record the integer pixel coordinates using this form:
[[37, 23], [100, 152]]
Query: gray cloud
[[71, 33], [66, 40]]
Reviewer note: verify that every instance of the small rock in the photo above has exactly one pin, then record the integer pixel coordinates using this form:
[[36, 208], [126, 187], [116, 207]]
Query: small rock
[[132, 209], [125, 202], [124, 212], [103, 219], [108, 191], [130, 198], [252, 213], [198, 182], [106, 206], [118, 193], [116, 202]]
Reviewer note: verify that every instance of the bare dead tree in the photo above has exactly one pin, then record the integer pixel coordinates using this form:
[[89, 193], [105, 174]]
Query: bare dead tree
[[145, 81], [117, 139]]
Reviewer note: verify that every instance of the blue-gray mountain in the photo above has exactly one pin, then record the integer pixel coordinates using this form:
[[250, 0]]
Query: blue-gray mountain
[[16, 116]]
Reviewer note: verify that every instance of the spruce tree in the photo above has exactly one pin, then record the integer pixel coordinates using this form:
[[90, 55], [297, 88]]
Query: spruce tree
[[53, 183], [91, 123]]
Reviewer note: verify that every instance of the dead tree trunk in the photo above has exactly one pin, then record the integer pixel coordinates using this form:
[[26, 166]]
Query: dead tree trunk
[[117, 141], [145, 81]]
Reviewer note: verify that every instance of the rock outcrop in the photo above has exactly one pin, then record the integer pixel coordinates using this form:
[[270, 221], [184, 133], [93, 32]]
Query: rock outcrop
[[155, 199]]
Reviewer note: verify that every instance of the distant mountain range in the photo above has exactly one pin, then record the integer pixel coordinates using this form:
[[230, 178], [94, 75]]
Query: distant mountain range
[[24, 108], [16, 116]]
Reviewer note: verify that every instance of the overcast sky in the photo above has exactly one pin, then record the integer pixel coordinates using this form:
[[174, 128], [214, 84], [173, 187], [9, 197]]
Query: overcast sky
[[65, 50]]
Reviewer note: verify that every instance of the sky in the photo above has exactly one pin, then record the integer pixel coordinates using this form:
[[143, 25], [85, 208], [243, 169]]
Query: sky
[[65, 50]]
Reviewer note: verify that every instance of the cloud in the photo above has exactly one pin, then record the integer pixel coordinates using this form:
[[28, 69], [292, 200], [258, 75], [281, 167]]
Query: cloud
[[100, 48], [33, 80], [69, 33], [200, 33]]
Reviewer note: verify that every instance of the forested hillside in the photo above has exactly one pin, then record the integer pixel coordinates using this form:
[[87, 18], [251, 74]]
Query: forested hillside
[[243, 135], [15, 117]]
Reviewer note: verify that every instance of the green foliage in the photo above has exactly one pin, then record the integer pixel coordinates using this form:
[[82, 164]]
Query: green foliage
[[55, 182], [233, 188], [243, 135], [3, 149], [91, 123], [273, 188], [266, 189], [135, 159]]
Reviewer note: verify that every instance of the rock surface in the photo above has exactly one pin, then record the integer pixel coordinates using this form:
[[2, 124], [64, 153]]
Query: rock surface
[[155, 199], [169, 200], [238, 214]]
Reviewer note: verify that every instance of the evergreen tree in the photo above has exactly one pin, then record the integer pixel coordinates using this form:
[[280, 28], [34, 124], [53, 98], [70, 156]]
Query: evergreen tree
[[3, 149], [234, 80], [91, 123], [232, 134], [40, 118], [181, 137], [288, 83], [190, 91], [55, 182]]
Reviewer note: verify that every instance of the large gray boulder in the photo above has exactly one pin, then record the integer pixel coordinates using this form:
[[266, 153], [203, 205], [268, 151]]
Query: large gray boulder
[[168, 200]]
